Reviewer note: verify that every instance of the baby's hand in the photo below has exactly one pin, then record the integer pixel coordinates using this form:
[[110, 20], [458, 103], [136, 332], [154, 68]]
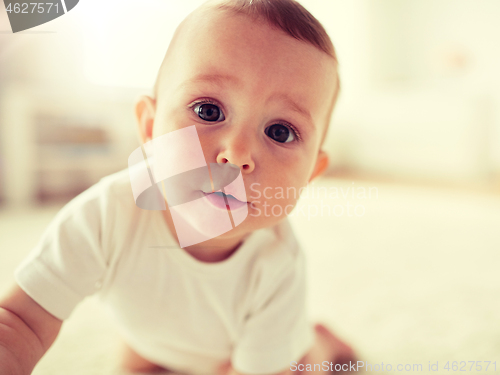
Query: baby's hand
[[225, 369]]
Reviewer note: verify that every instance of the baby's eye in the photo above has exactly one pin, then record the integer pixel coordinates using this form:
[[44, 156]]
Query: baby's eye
[[208, 112], [280, 133]]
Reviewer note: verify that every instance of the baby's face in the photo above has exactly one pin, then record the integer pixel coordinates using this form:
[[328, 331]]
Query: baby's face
[[259, 98]]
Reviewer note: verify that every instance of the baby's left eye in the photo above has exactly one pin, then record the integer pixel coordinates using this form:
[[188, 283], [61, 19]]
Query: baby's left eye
[[208, 112], [280, 133]]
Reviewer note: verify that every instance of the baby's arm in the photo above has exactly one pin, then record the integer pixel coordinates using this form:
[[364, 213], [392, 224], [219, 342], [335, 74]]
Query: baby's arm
[[27, 331]]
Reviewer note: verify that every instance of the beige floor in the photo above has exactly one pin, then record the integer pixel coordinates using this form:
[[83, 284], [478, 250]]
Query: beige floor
[[416, 279]]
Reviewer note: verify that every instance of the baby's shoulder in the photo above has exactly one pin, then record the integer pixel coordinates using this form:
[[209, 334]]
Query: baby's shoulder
[[101, 204], [116, 187], [113, 193]]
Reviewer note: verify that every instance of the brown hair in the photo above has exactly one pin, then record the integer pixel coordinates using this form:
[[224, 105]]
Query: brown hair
[[288, 16]]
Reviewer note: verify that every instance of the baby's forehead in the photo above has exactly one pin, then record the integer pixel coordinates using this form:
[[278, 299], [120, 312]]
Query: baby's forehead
[[202, 34]]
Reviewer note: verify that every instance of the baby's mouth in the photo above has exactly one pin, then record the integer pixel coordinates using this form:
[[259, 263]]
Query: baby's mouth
[[224, 201]]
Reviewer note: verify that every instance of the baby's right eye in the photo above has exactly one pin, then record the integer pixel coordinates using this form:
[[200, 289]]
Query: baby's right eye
[[208, 112]]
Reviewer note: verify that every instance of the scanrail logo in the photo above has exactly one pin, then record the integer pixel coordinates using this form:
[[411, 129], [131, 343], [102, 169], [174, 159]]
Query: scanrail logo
[[27, 14], [204, 200]]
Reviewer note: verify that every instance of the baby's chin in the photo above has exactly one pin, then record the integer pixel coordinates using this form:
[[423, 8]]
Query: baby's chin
[[207, 226]]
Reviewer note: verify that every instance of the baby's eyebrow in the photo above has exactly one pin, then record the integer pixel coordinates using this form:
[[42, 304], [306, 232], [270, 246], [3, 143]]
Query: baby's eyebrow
[[296, 107], [216, 79]]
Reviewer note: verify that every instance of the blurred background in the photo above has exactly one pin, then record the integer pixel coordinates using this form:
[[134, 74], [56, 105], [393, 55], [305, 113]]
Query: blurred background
[[420, 95], [413, 279]]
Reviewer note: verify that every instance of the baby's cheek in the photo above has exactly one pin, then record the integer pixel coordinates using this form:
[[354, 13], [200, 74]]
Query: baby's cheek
[[170, 117]]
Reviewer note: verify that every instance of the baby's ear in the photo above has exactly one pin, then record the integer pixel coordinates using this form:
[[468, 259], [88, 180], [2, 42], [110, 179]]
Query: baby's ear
[[321, 165], [145, 110]]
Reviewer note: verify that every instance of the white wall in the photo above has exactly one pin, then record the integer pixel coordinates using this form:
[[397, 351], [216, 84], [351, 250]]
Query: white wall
[[429, 101]]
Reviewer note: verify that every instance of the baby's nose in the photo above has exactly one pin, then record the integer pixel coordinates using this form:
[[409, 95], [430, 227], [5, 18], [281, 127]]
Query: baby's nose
[[239, 154], [245, 166]]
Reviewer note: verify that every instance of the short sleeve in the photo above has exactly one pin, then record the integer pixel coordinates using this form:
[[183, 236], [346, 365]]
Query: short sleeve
[[279, 332], [68, 261]]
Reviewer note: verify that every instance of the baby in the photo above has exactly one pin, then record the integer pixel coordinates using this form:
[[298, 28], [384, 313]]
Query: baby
[[258, 80]]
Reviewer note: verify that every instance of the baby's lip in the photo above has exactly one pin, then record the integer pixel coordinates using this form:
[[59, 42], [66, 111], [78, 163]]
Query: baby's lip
[[235, 195]]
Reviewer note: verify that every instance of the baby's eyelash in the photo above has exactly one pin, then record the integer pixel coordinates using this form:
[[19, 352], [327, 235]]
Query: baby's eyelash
[[292, 128], [204, 101]]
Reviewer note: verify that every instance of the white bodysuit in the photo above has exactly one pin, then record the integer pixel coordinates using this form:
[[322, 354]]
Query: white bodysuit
[[174, 310]]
